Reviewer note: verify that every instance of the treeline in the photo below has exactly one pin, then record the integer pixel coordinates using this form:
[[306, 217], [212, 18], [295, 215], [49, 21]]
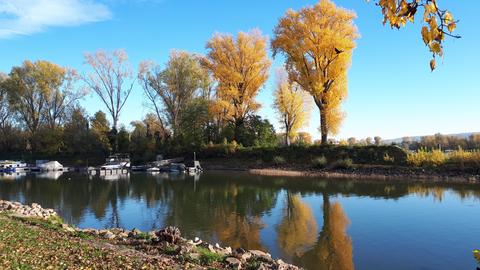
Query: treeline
[[442, 142], [41, 117], [195, 99]]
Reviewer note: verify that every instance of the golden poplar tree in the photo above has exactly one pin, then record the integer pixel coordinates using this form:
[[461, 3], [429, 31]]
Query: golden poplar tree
[[318, 42], [292, 106], [241, 68]]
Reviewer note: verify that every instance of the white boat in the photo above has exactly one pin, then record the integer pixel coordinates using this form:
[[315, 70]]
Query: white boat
[[117, 161], [12, 166], [48, 166]]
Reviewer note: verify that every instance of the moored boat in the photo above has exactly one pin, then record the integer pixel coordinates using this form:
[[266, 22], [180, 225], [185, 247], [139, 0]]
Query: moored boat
[[117, 161], [12, 166]]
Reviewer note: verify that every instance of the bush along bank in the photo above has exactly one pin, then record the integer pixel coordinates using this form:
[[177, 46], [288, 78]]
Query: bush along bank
[[162, 249], [384, 155]]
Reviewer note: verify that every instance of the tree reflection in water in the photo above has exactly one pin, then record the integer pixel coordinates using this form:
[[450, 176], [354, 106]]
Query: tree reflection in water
[[231, 208], [298, 228], [333, 249]]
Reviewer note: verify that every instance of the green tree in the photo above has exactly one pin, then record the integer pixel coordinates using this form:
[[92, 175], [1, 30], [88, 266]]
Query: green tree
[[123, 140], [77, 136], [176, 85], [254, 132], [145, 139], [100, 128], [194, 122]]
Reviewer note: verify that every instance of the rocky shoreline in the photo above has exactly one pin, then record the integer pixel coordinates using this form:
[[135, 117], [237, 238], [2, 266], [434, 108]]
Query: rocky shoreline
[[175, 251]]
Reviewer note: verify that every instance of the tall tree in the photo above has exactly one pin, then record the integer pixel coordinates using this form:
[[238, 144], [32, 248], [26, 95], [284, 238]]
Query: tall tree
[[40, 92], [241, 68], [292, 106], [111, 79], [63, 96], [5, 111], [318, 42], [176, 85]]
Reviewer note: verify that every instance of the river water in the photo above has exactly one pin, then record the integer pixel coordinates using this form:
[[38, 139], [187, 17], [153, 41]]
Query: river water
[[314, 223]]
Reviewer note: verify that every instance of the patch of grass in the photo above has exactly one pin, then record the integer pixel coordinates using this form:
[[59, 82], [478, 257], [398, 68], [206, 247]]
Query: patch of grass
[[252, 265], [49, 224], [144, 236], [170, 250], [207, 257], [345, 163], [278, 160], [319, 162], [82, 235], [183, 258]]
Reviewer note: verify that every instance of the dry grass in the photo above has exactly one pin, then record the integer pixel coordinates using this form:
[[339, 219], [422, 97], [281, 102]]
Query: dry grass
[[437, 158]]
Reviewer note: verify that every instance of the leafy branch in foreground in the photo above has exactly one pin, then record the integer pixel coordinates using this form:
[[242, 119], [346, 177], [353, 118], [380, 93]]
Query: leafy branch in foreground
[[438, 23]]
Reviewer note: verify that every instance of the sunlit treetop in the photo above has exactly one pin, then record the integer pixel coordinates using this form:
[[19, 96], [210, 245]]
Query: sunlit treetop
[[438, 22]]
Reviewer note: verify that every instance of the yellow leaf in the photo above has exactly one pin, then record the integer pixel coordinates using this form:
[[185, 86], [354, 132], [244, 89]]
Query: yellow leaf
[[432, 64], [435, 47], [426, 35], [451, 27], [448, 18]]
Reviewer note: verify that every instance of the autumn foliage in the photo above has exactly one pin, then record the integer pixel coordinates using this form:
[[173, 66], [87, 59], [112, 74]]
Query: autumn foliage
[[240, 65], [317, 42], [292, 106], [438, 23]]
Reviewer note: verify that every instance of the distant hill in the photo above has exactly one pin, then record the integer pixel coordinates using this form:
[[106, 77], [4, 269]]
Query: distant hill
[[418, 138]]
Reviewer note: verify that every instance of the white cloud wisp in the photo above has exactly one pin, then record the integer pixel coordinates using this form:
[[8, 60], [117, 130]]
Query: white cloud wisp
[[26, 17]]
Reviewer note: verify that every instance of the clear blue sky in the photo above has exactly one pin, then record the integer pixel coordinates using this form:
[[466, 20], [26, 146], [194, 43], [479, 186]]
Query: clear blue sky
[[392, 93]]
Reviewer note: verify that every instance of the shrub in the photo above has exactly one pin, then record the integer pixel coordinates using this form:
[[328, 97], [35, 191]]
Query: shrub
[[464, 158], [388, 159], [319, 162], [345, 163], [424, 158], [278, 160]]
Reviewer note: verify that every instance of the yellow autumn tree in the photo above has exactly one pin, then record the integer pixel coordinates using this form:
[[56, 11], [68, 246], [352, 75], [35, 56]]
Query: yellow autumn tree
[[292, 106], [317, 42], [241, 68], [438, 22]]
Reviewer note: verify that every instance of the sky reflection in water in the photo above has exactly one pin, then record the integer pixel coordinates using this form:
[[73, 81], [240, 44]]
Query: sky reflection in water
[[311, 222]]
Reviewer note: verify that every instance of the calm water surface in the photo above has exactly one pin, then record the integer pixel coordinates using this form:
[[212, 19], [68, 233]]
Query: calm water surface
[[314, 223]]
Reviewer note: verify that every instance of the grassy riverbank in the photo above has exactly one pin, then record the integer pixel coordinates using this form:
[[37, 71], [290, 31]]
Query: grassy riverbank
[[41, 244]]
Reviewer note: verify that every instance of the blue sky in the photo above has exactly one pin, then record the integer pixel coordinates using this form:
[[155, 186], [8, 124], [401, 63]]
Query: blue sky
[[392, 92]]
